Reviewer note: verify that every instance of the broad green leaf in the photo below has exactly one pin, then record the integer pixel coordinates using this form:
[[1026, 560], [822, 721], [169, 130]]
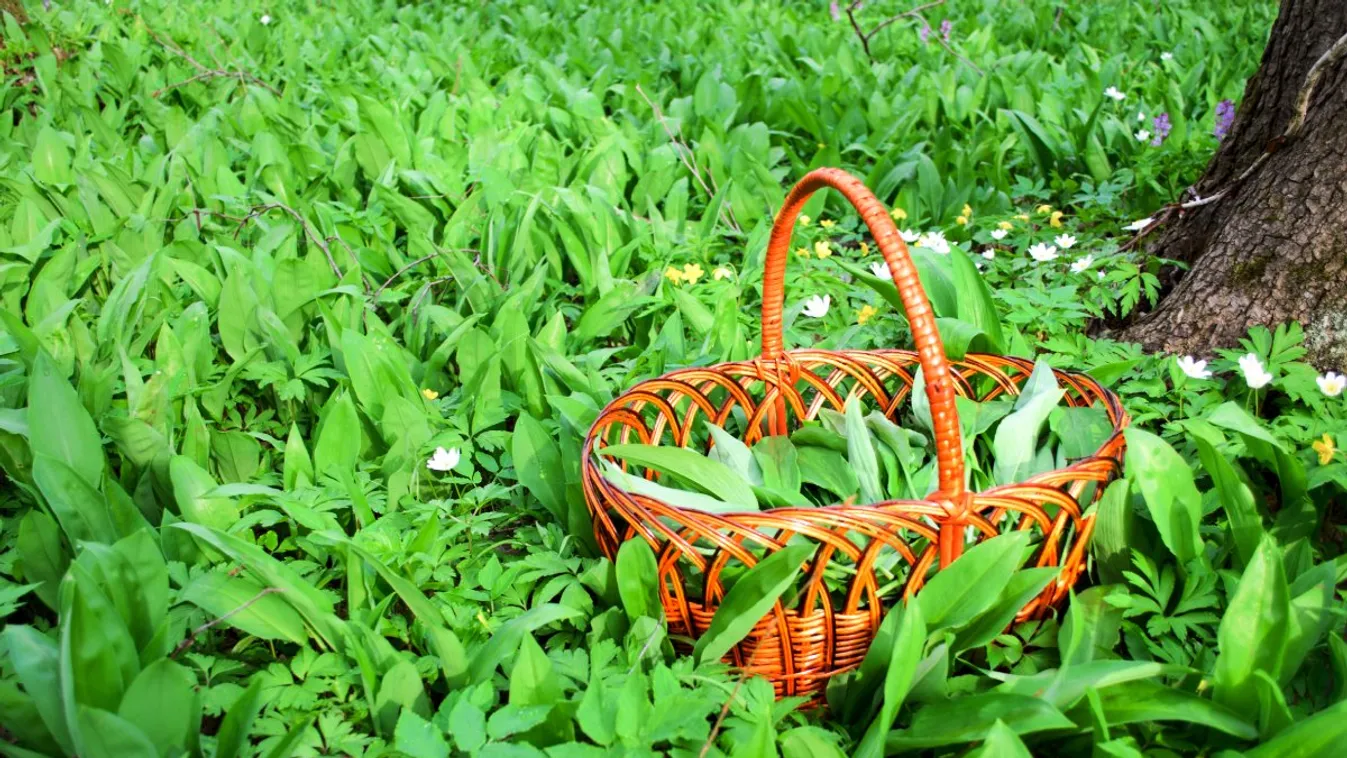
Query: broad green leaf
[[1090, 628], [239, 600], [861, 454], [191, 483], [972, 584], [809, 742], [41, 554], [1245, 522], [971, 718], [690, 468], [1114, 532], [506, 639], [638, 579], [1016, 439], [905, 654], [51, 158], [1001, 742], [1023, 586], [162, 702], [419, 738], [238, 720], [750, 599], [1319, 736], [676, 497], [737, 456], [338, 445], [1166, 483], [537, 460], [67, 432], [35, 658], [103, 734], [1140, 702], [1253, 631], [315, 606], [779, 465]]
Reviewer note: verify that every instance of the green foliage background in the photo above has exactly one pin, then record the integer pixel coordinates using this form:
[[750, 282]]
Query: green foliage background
[[258, 261]]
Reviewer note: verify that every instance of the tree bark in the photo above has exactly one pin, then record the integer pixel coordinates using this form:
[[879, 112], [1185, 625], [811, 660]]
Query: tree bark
[[1274, 247]]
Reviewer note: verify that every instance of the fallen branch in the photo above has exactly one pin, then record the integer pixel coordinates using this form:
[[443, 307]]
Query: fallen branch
[[205, 72]]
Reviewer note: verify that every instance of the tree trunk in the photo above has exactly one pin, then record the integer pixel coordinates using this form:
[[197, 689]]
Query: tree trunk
[[1274, 248]]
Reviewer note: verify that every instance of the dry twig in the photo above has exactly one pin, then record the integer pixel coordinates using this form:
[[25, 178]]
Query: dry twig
[[689, 159], [865, 36], [192, 635], [205, 72]]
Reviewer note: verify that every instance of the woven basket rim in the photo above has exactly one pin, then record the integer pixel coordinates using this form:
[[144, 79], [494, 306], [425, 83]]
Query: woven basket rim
[[1120, 422]]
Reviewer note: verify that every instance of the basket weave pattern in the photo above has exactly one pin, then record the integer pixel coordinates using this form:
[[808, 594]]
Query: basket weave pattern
[[810, 637]]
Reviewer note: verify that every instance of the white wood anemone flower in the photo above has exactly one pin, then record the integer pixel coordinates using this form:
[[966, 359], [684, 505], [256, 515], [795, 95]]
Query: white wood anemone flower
[[1042, 252], [817, 306], [1194, 368], [1332, 383], [444, 460], [1255, 373]]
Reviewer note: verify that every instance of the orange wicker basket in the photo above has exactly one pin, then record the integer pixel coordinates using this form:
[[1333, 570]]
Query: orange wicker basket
[[819, 633]]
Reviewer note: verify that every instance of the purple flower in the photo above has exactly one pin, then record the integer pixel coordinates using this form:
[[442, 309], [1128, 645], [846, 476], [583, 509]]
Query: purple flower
[[1225, 117], [1161, 126], [946, 27], [925, 33], [835, 11]]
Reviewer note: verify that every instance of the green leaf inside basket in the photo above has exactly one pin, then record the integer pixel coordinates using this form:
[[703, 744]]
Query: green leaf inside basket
[[691, 469]]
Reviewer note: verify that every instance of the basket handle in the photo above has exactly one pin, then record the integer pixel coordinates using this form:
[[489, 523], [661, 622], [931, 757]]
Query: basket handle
[[930, 350]]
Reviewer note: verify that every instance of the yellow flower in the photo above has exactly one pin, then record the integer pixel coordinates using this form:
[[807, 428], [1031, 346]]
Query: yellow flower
[[827, 223], [822, 145], [429, 393], [961, 221], [692, 272], [803, 252], [1023, 217], [1056, 219], [804, 221], [898, 214], [865, 249], [1006, 225], [673, 274], [822, 249], [1325, 449], [721, 272], [1042, 209], [967, 210], [865, 314]]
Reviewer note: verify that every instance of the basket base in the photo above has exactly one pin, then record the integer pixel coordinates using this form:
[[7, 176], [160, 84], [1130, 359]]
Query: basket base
[[800, 662]]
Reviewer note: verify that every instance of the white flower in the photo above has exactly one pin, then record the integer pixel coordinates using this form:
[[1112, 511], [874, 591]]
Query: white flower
[[1166, 56], [443, 460], [1142, 135], [817, 306], [1332, 383], [1194, 368], [1065, 241], [989, 254], [1082, 264], [935, 242], [1115, 93], [999, 234], [266, 19], [1138, 225], [1255, 375], [1042, 253], [1101, 275], [1141, 117], [881, 270], [909, 236]]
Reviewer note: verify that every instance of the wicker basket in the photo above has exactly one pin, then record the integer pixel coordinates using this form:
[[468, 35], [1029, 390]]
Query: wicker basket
[[817, 634]]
